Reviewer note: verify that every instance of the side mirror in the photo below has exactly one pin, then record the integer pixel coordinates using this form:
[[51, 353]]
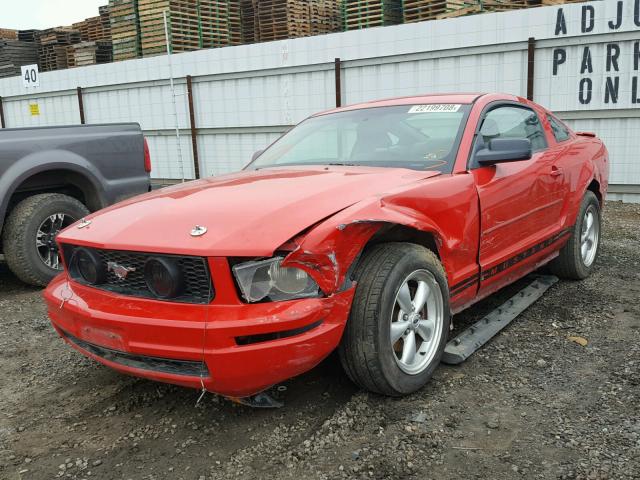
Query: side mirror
[[504, 150], [256, 154]]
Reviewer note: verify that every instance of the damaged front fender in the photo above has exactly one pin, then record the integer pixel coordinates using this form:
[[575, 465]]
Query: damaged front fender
[[443, 208]]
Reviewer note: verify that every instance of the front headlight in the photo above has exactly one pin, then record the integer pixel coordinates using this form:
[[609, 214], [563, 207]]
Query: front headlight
[[268, 280]]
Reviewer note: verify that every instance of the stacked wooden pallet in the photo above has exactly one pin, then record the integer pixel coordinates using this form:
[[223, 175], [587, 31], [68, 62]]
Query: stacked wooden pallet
[[325, 16], [89, 53], [14, 54], [220, 23], [93, 29], [503, 5], [371, 13], [52, 49], [281, 19], [182, 25], [29, 36], [248, 21], [264, 20], [125, 29], [420, 10], [8, 34], [105, 20]]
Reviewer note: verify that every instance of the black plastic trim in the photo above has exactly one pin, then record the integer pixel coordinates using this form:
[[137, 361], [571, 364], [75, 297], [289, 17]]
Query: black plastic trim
[[155, 364]]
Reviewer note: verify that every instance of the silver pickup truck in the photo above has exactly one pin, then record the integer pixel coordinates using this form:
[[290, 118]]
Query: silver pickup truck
[[52, 176]]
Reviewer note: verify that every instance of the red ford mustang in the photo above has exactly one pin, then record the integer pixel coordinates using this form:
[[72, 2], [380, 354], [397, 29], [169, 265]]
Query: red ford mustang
[[363, 228]]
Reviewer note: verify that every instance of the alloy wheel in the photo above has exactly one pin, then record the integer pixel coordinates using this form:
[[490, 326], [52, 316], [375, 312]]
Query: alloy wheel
[[416, 323]]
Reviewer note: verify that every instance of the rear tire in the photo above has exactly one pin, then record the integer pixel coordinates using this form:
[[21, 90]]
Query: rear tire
[[578, 256], [368, 352], [30, 231]]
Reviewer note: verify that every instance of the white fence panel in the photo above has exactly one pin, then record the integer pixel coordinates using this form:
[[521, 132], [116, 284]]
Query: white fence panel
[[42, 111], [151, 106], [280, 99], [488, 72], [229, 152], [618, 135]]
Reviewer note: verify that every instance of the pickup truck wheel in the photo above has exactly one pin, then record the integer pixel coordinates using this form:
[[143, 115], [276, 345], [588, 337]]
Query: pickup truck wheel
[[577, 257], [399, 320], [29, 236]]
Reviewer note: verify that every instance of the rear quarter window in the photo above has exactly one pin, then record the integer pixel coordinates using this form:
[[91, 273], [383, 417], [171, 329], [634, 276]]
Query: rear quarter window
[[559, 129]]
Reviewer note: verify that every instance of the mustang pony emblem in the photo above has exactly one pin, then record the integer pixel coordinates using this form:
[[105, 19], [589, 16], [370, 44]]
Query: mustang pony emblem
[[119, 271]]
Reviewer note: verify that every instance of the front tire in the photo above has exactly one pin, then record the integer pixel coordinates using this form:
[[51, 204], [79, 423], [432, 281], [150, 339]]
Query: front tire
[[578, 256], [30, 232], [399, 321]]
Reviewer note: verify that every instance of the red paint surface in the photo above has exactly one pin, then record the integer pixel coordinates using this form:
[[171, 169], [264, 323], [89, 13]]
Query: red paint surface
[[323, 216]]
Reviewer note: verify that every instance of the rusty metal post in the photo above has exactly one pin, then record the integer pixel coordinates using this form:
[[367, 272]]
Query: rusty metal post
[[2, 124], [81, 105], [531, 63], [338, 71], [194, 131]]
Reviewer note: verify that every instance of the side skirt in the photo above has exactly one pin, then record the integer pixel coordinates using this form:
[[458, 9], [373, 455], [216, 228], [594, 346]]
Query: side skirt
[[474, 337]]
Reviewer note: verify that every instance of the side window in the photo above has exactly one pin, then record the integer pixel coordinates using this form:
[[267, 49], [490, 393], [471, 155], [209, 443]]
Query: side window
[[513, 122], [560, 132]]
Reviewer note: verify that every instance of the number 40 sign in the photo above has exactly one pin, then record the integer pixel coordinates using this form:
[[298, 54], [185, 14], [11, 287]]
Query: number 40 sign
[[30, 76]]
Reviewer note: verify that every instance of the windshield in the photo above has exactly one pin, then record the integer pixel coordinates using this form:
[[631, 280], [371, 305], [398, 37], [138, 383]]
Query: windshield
[[420, 137]]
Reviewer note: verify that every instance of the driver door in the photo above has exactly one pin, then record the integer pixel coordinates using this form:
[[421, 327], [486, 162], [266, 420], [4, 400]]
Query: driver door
[[516, 209]]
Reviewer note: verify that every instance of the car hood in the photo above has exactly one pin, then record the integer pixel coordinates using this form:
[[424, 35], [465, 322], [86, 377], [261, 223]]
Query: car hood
[[249, 213]]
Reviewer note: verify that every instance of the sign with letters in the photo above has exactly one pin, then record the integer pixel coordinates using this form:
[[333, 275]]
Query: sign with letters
[[603, 74]]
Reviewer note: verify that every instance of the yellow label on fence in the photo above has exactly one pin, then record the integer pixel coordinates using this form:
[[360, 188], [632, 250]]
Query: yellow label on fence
[[34, 108]]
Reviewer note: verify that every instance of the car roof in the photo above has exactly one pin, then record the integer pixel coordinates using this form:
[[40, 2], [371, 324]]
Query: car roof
[[462, 98]]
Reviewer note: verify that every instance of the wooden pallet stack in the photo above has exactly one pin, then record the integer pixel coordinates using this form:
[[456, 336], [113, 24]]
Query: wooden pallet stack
[[125, 29], [371, 13], [248, 21], [281, 19], [8, 34], [421, 10], [93, 29], [105, 19], [52, 49], [503, 5], [325, 16], [220, 23], [182, 25], [89, 53], [14, 54], [29, 36]]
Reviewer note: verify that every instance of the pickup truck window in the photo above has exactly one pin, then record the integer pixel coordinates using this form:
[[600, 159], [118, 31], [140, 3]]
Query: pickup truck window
[[513, 122], [560, 132], [406, 136]]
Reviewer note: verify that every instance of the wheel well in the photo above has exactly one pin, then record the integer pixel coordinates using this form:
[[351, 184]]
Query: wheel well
[[398, 233], [594, 187], [66, 182], [402, 233]]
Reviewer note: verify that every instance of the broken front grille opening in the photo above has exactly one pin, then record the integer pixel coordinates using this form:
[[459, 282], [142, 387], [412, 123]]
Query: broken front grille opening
[[266, 337], [156, 364], [195, 272]]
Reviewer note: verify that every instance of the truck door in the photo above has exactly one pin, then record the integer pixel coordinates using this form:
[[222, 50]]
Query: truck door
[[517, 208]]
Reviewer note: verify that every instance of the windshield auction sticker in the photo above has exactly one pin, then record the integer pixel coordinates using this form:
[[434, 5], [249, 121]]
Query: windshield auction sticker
[[435, 107]]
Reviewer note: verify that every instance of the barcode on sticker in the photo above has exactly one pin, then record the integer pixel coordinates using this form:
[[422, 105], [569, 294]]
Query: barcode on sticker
[[435, 107]]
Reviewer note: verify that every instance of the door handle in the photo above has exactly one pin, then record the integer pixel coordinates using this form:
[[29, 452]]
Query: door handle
[[556, 171]]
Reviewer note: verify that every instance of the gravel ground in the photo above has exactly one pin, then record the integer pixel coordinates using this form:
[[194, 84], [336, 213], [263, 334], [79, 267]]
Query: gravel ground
[[531, 404]]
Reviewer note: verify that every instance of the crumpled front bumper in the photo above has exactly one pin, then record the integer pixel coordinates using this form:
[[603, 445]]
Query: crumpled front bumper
[[229, 347]]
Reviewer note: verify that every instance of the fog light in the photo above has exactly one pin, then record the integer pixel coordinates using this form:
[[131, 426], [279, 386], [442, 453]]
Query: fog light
[[90, 266], [163, 277]]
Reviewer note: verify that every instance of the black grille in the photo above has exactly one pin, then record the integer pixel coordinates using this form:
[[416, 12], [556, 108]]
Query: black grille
[[195, 272]]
